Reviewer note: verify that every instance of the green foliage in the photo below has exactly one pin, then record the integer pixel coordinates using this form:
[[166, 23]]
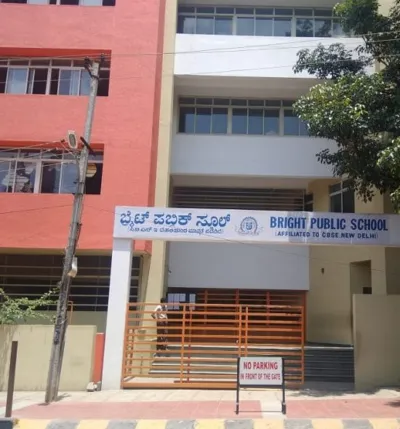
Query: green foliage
[[357, 108], [17, 310]]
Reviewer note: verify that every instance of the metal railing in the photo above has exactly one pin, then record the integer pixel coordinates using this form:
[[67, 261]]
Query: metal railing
[[203, 342]]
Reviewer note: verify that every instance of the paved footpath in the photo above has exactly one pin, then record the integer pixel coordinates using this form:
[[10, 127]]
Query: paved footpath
[[202, 409], [211, 424]]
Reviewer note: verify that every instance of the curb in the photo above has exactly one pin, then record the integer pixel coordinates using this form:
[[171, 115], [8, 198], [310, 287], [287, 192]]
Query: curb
[[203, 424]]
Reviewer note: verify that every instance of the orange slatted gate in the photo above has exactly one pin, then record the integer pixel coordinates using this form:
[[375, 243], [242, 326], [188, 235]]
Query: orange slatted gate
[[205, 338]]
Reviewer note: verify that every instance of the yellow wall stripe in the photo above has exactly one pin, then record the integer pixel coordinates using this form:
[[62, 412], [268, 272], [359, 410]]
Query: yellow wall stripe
[[268, 424], [32, 424], [93, 424], [327, 424], [385, 423], [151, 424], [210, 424]]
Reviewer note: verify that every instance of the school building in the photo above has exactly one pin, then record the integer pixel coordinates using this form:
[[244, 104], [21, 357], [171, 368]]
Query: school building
[[194, 113]]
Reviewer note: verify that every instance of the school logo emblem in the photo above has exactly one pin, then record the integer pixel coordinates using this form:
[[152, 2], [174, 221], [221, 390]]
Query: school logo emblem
[[249, 226]]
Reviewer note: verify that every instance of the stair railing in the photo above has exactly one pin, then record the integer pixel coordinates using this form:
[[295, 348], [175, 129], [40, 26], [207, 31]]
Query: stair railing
[[183, 330]]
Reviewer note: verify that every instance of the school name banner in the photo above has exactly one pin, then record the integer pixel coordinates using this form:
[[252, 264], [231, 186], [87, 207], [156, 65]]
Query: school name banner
[[171, 224]]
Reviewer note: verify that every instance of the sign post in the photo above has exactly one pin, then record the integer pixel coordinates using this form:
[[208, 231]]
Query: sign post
[[260, 372]]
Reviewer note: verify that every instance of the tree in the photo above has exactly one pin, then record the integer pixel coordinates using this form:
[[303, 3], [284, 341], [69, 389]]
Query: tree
[[354, 105], [15, 310]]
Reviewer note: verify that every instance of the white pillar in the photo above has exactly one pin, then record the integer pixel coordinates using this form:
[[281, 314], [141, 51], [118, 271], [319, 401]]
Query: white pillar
[[120, 283]]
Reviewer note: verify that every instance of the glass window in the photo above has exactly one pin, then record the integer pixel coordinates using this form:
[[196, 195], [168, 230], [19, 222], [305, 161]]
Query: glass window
[[205, 25], [38, 1], [348, 201], [203, 120], [69, 82], [255, 121], [85, 83], [303, 129], [337, 30], [24, 180], [336, 203], [219, 120], [37, 81], [186, 120], [68, 178], [51, 174], [282, 27], [186, 25], [16, 81], [245, 26], [271, 122], [304, 27], [239, 121], [291, 123], [323, 28], [264, 26], [223, 25], [7, 173], [91, 2]]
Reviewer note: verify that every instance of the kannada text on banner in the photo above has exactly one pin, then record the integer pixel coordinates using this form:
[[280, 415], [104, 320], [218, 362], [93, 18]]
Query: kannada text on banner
[[253, 226]]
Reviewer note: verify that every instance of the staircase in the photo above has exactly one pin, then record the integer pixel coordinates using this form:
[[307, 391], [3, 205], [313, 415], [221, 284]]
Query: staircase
[[205, 363], [208, 363], [329, 363]]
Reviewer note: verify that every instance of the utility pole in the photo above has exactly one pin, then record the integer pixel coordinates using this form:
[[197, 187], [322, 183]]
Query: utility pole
[[57, 351]]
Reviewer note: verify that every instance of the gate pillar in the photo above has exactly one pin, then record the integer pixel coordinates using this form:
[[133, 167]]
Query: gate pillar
[[120, 283]]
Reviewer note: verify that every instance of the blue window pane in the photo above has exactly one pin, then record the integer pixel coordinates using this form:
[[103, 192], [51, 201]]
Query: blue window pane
[[303, 128], [186, 120], [264, 26], [223, 25], [283, 27], [205, 25], [220, 121], [291, 124], [203, 120], [239, 121], [323, 28], [186, 25], [271, 122], [245, 26], [16, 81], [304, 27], [256, 121]]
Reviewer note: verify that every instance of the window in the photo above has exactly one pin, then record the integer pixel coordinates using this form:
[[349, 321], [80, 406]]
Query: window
[[308, 202], [64, 2], [341, 198], [244, 21], [46, 172], [54, 77], [239, 116], [28, 275]]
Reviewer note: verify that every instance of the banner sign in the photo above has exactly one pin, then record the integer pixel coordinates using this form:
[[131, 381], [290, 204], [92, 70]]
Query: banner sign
[[260, 372], [172, 224]]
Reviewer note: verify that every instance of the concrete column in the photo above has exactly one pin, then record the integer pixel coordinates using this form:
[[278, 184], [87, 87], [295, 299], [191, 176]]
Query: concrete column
[[120, 282]]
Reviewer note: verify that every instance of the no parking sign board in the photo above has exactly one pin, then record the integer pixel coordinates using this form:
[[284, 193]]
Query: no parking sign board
[[262, 372]]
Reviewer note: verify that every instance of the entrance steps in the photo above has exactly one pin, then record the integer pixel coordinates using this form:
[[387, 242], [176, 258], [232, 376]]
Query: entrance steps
[[323, 363], [329, 363]]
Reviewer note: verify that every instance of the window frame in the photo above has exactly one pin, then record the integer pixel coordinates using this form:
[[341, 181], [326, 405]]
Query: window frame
[[40, 160], [57, 3], [6, 63], [273, 13], [232, 104], [342, 190]]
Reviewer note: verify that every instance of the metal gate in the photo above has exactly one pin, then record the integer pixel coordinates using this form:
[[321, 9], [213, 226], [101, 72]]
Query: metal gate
[[204, 341]]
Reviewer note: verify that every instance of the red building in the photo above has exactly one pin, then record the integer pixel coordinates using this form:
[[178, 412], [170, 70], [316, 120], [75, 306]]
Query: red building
[[43, 90]]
